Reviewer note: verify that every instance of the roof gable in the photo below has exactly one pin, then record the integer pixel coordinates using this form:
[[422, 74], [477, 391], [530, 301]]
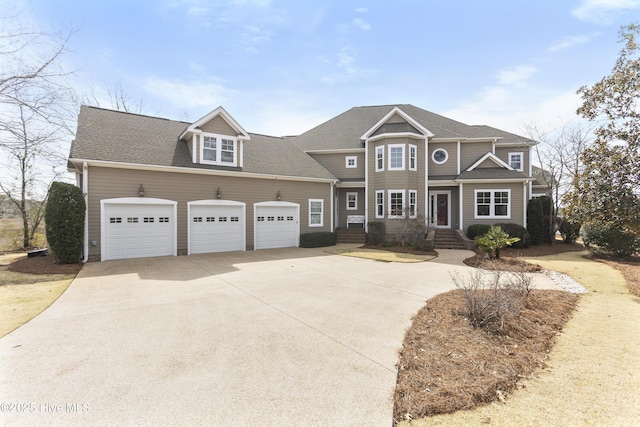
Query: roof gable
[[219, 112], [488, 158], [391, 118]]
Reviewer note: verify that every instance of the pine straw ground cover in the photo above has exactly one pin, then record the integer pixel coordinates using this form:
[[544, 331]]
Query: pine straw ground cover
[[447, 365]]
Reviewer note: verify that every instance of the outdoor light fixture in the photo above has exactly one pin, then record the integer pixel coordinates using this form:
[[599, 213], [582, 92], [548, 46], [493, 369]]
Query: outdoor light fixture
[[141, 191], [218, 194], [278, 196]]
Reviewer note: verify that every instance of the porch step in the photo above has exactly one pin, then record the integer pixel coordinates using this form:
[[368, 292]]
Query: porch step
[[351, 235], [447, 239]]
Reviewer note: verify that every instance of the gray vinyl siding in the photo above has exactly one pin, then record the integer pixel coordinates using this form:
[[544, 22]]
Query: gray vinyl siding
[[218, 125], [450, 167], [518, 193], [336, 164], [106, 183], [471, 152], [342, 205]]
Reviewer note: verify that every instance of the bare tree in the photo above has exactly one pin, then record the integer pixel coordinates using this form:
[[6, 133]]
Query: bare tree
[[558, 154], [37, 105]]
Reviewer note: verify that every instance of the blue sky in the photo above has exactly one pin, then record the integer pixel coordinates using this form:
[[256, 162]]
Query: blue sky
[[282, 67]]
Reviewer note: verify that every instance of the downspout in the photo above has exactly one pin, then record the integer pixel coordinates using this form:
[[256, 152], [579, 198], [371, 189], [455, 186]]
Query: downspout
[[85, 192], [366, 186], [332, 197]]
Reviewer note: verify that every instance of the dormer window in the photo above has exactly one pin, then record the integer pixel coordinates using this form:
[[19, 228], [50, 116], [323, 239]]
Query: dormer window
[[219, 150]]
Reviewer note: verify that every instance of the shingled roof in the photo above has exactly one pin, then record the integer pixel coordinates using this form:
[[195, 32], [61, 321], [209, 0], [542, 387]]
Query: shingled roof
[[344, 131], [121, 137]]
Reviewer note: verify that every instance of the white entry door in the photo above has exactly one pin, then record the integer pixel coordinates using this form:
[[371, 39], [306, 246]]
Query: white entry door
[[277, 225], [440, 209]]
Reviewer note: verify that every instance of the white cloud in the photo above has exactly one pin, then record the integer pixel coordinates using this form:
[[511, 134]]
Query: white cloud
[[362, 24], [569, 42], [206, 94], [516, 74], [362, 10], [603, 12]]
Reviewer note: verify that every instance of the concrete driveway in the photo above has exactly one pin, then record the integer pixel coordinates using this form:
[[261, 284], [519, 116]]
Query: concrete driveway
[[274, 337]]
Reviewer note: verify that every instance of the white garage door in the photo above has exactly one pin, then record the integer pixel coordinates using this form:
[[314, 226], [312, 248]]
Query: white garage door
[[216, 226], [277, 225], [138, 228]]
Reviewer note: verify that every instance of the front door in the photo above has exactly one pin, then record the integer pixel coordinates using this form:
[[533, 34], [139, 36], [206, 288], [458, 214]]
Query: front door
[[440, 209]]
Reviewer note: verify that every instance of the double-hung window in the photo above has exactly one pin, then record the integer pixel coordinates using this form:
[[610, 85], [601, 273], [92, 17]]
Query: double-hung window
[[396, 203], [352, 201], [219, 150], [380, 204], [396, 157], [315, 212], [516, 161], [492, 204], [413, 203], [380, 158], [413, 157], [210, 148]]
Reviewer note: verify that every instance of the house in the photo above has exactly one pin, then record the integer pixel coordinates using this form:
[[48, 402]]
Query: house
[[158, 187]]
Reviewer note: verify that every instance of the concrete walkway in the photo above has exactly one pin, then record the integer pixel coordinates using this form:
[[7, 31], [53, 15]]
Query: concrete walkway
[[275, 337]]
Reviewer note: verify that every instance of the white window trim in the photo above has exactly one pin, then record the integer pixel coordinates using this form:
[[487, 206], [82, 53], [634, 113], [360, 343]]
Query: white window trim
[[492, 204], [404, 203], [219, 138], [446, 156], [321, 201], [355, 208], [379, 150], [400, 168], [414, 158], [379, 192], [355, 162], [415, 204], [521, 155]]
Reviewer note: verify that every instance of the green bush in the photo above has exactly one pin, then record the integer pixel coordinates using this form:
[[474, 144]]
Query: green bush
[[604, 239], [318, 239], [494, 240], [64, 219], [547, 212], [476, 230], [516, 230], [569, 231], [535, 221], [376, 233]]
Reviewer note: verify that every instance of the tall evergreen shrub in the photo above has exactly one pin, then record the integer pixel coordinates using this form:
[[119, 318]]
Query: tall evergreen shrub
[[64, 219], [535, 221]]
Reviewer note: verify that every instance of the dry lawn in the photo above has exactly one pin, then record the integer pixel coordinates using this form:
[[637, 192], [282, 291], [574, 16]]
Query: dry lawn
[[24, 295], [592, 376]]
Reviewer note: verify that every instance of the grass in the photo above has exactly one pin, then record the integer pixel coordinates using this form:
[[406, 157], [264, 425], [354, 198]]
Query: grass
[[25, 294], [449, 373]]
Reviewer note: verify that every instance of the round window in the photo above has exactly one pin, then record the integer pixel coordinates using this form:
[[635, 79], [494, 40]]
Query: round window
[[440, 156]]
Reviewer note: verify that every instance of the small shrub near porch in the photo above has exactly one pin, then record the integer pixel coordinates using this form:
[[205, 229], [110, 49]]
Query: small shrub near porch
[[318, 240]]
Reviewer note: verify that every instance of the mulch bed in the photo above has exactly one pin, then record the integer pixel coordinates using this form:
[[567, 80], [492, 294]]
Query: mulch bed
[[447, 365], [43, 265]]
